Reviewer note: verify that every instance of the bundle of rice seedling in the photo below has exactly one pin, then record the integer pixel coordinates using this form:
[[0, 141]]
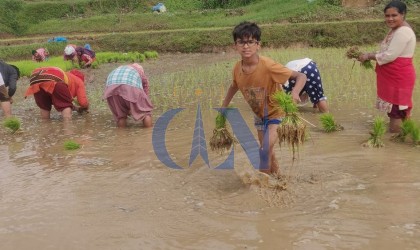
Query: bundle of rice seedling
[[291, 130], [222, 139], [12, 123], [379, 129], [354, 53], [329, 124], [71, 145]]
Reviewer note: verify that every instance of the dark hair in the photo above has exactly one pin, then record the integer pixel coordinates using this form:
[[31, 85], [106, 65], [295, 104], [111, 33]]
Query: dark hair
[[400, 6], [246, 30], [33, 52], [17, 70]]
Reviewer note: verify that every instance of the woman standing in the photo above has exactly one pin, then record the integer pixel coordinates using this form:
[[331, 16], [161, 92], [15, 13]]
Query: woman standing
[[395, 73]]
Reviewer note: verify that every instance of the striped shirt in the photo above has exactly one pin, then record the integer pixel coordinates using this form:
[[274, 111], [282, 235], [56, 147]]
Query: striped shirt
[[125, 75]]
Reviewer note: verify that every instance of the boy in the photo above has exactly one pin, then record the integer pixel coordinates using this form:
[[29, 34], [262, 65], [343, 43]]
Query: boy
[[9, 74], [258, 77]]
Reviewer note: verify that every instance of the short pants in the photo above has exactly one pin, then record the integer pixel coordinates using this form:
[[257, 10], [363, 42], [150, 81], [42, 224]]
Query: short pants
[[313, 86], [60, 98], [262, 123], [4, 96], [396, 113]]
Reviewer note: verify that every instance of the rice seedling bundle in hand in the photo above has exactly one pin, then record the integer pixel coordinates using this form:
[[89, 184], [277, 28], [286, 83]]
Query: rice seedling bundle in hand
[[292, 130], [329, 124], [379, 129], [12, 123], [71, 145], [354, 53], [222, 139]]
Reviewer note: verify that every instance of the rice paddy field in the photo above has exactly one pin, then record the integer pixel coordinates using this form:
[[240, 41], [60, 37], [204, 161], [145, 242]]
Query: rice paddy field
[[115, 190]]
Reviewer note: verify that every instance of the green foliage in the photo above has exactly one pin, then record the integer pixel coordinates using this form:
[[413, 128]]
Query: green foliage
[[378, 131], [409, 128], [213, 4], [285, 102], [12, 123], [9, 11], [150, 54], [220, 120], [71, 145], [27, 66], [328, 123]]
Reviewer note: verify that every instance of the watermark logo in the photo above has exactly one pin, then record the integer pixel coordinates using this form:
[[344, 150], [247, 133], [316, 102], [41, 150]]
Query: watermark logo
[[199, 145]]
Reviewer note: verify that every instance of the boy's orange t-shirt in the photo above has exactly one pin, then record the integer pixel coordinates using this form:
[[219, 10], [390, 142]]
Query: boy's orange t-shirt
[[258, 86]]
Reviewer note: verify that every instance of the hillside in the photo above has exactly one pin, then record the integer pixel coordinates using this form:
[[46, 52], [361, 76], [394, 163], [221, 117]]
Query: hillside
[[186, 26]]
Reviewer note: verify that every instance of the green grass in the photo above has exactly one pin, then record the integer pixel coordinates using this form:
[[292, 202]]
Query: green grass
[[377, 133], [71, 145], [27, 66], [12, 123], [328, 123]]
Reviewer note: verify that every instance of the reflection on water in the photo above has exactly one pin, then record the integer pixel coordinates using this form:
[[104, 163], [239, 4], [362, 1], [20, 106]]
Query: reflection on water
[[114, 193]]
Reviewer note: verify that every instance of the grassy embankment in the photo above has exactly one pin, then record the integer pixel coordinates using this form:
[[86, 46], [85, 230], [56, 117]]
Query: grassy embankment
[[186, 27]]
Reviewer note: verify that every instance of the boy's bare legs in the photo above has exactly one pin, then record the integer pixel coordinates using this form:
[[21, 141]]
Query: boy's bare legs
[[268, 161], [7, 108], [147, 121], [322, 106]]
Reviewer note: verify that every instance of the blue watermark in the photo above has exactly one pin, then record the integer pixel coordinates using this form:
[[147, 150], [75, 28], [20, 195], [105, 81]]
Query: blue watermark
[[240, 130]]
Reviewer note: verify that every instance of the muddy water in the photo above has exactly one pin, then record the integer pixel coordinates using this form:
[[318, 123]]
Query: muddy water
[[115, 193]]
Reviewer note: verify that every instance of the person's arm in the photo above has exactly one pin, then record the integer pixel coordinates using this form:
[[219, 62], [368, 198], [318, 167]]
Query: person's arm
[[300, 80], [88, 60], [81, 96], [229, 95], [145, 83], [13, 77]]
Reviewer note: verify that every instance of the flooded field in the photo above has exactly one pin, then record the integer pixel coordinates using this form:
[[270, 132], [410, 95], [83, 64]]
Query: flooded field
[[116, 193]]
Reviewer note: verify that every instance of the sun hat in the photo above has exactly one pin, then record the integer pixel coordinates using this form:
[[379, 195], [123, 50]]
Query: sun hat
[[69, 50]]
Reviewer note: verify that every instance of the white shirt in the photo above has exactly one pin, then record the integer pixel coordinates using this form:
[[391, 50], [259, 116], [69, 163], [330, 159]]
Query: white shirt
[[1, 80]]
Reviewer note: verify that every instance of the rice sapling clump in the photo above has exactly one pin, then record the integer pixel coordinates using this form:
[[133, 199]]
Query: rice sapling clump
[[354, 53], [378, 131], [222, 139], [292, 130], [71, 145], [328, 123], [12, 123], [406, 127], [415, 134]]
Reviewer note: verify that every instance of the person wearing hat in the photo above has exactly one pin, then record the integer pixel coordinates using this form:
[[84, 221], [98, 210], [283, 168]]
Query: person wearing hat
[[51, 86], [70, 53], [9, 74], [40, 55], [128, 94]]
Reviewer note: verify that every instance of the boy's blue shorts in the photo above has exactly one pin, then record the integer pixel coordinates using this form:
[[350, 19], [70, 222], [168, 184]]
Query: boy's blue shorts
[[262, 123]]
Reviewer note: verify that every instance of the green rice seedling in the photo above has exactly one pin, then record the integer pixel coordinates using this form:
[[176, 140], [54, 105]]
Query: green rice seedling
[[292, 130], [151, 54], [354, 53], [71, 145], [415, 134], [12, 123], [329, 124], [378, 131], [222, 139], [406, 127]]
